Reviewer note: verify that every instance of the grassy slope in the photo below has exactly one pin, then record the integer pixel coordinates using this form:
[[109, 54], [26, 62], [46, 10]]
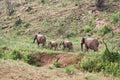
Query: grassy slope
[[57, 19]]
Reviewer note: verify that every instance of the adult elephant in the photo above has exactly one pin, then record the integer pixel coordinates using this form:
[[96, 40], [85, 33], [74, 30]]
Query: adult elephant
[[66, 44], [90, 43], [41, 39], [53, 44]]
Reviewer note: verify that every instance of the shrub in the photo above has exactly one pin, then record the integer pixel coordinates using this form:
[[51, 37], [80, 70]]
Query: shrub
[[16, 55], [106, 29], [111, 68], [87, 28], [115, 18], [32, 61], [60, 30], [18, 22], [111, 56], [91, 64], [56, 64], [69, 70], [70, 34]]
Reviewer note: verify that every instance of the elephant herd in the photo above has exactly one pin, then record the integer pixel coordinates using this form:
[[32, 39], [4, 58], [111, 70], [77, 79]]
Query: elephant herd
[[90, 43]]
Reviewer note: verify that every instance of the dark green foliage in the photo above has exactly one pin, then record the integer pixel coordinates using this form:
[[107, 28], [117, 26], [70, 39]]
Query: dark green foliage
[[32, 61], [106, 29], [87, 28], [108, 62], [16, 55], [111, 56], [69, 70], [71, 34], [91, 64], [60, 30], [56, 64], [115, 18], [18, 22]]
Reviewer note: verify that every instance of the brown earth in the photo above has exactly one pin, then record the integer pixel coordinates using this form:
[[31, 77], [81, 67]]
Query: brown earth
[[63, 59]]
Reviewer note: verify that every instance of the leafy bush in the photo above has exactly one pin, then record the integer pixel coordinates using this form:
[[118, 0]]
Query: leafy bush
[[106, 29], [70, 34], [16, 55], [32, 61], [56, 64], [91, 64], [60, 30], [115, 18], [18, 22], [111, 68], [69, 70], [87, 28], [108, 62], [111, 56]]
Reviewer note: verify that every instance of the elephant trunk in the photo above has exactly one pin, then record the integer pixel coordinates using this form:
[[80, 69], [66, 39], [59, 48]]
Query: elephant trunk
[[82, 46], [35, 38]]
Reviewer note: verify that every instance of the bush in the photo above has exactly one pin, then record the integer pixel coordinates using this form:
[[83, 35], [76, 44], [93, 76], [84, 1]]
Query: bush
[[91, 64], [70, 34], [115, 18], [111, 68], [87, 28], [106, 29], [32, 61], [56, 64], [18, 22], [16, 55], [69, 70]]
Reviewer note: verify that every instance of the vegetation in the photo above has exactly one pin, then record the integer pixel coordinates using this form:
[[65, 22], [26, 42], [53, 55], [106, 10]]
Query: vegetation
[[58, 20]]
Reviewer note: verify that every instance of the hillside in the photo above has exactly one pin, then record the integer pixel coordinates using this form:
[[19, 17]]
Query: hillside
[[58, 20]]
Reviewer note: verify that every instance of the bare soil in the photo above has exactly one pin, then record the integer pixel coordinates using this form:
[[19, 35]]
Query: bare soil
[[64, 59]]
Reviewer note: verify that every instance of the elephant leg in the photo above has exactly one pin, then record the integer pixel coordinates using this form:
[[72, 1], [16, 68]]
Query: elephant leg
[[43, 45], [38, 44], [86, 48]]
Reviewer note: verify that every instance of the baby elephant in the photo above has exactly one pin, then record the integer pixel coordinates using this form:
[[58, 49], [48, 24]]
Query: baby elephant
[[41, 39], [53, 44], [66, 44], [90, 43]]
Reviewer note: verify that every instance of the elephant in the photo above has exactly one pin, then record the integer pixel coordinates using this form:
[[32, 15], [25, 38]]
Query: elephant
[[66, 44], [90, 43], [53, 44], [41, 39]]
